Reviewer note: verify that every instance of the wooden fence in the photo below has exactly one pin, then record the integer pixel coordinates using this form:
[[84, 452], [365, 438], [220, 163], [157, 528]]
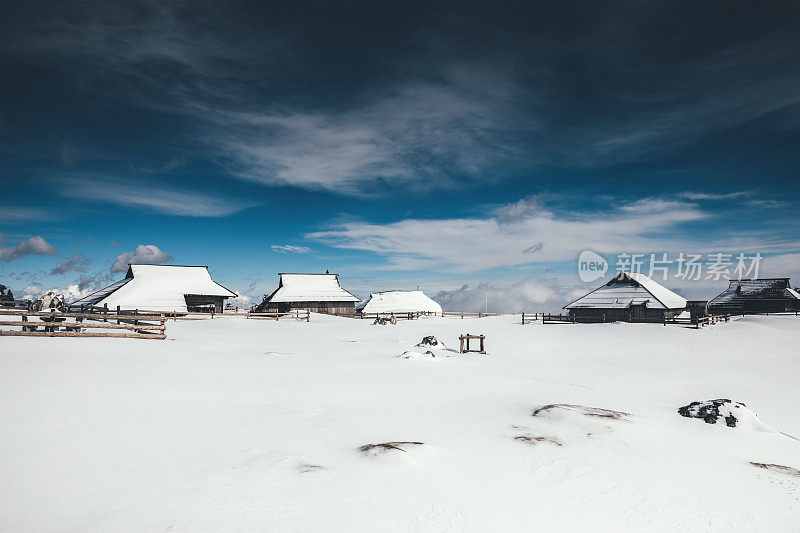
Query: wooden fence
[[399, 316], [568, 319], [14, 304], [53, 324], [297, 314], [468, 315], [417, 314], [710, 320], [527, 318]]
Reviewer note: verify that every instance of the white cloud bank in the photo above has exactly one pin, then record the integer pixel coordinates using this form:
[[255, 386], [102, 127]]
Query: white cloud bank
[[145, 254], [528, 232], [242, 300], [532, 294], [71, 292]]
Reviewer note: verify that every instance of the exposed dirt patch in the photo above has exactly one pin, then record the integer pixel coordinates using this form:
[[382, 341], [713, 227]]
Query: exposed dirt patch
[[306, 468], [533, 441], [595, 412], [778, 468], [384, 447]]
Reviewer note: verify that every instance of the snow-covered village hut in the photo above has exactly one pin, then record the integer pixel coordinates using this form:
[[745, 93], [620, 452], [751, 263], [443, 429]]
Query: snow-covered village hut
[[629, 296], [172, 288], [318, 293], [399, 302], [751, 296]]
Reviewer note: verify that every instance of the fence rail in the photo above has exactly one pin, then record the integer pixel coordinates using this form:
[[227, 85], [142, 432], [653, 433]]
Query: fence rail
[[53, 324], [297, 314]]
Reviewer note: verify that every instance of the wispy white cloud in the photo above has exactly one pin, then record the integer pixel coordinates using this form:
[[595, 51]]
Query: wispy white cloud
[[151, 197], [716, 196], [167, 167], [145, 254], [290, 249], [413, 134], [10, 214]]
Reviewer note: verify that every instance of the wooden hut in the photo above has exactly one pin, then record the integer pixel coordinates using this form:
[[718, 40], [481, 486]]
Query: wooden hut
[[318, 293], [169, 288], [628, 296], [751, 296]]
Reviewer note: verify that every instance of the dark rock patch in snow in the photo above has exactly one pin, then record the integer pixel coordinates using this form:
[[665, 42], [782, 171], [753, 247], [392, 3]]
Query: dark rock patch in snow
[[384, 447], [430, 340], [533, 441], [596, 412], [712, 410], [382, 321], [778, 468]]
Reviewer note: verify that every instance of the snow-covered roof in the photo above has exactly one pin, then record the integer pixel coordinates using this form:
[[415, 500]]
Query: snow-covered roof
[[756, 289], [630, 288], [157, 288], [399, 302], [310, 288]]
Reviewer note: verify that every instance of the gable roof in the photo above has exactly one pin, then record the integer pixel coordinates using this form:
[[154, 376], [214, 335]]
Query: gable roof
[[157, 288], [630, 288], [310, 288], [755, 289], [399, 302]]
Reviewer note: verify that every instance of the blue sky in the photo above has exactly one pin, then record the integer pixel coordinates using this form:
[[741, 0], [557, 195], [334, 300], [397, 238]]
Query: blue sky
[[438, 145]]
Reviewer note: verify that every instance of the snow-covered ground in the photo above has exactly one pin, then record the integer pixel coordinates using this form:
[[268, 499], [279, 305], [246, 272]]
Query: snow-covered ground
[[244, 425]]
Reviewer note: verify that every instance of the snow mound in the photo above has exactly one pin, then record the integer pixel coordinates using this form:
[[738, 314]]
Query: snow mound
[[735, 414], [778, 468], [429, 348], [581, 409], [373, 450], [562, 424]]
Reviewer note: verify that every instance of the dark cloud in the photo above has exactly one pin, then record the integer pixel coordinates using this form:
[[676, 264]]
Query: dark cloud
[[77, 263], [353, 100]]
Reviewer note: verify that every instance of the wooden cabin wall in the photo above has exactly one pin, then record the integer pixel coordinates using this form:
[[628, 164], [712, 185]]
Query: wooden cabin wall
[[329, 308], [622, 314], [197, 300]]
